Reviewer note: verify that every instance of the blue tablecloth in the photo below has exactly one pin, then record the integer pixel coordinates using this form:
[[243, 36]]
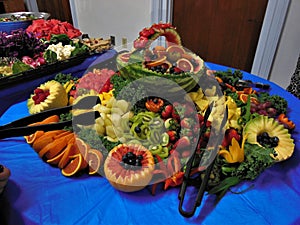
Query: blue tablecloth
[[39, 194]]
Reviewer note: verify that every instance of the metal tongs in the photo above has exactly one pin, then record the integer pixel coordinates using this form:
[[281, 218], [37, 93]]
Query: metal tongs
[[188, 180], [21, 126]]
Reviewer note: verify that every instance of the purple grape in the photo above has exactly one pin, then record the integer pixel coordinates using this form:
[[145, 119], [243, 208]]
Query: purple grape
[[272, 112], [263, 112], [252, 110], [260, 107]]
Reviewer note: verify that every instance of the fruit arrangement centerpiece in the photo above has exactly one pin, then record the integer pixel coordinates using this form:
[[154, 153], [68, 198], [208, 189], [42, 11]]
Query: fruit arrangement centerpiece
[[146, 136], [167, 66]]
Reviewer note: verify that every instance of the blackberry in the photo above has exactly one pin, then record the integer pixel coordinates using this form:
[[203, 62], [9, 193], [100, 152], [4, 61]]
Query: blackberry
[[265, 140], [1, 169], [131, 161]]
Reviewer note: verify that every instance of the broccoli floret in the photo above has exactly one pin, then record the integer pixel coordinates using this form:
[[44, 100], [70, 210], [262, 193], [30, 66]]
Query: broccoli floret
[[64, 78], [230, 77], [100, 143]]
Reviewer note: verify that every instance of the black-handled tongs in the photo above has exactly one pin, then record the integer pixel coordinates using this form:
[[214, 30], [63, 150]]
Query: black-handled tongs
[[187, 179], [21, 126]]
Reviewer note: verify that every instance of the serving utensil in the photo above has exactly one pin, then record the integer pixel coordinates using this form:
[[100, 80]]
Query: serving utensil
[[188, 180], [21, 126]]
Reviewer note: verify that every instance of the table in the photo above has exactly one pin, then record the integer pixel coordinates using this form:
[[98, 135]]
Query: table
[[38, 194]]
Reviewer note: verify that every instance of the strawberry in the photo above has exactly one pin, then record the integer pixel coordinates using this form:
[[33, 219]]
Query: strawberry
[[141, 42], [147, 32], [186, 131], [183, 143], [229, 134], [187, 123], [172, 135], [175, 114], [189, 110], [167, 111]]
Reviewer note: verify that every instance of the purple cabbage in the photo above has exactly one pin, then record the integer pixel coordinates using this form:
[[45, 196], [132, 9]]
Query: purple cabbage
[[19, 43]]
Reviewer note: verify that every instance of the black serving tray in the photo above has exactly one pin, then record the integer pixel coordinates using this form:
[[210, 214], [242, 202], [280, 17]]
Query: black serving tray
[[44, 70]]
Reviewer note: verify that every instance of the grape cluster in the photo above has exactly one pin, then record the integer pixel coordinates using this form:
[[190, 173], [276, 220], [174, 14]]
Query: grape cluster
[[264, 108], [265, 140], [132, 161]]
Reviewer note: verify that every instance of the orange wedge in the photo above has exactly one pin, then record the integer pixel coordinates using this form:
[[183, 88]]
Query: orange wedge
[[65, 159], [66, 132], [55, 160], [254, 100], [50, 119], [243, 98], [45, 139], [95, 160], [31, 138], [73, 166], [55, 147]]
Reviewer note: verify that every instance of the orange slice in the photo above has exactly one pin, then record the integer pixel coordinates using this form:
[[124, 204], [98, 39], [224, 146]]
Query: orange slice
[[160, 60], [160, 51], [125, 56], [159, 48], [73, 166], [95, 160], [84, 149], [185, 65], [176, 48], [187, 56]]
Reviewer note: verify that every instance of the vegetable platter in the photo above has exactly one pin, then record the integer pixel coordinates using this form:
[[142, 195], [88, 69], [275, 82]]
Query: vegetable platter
[[44, 47]]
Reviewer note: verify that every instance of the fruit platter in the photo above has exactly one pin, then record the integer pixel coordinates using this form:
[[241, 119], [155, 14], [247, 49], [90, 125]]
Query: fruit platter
[[161, 120], [44, 47]]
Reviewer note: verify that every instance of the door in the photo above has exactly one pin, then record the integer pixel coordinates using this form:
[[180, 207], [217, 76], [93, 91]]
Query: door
[[221, 31], [58, 9]]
